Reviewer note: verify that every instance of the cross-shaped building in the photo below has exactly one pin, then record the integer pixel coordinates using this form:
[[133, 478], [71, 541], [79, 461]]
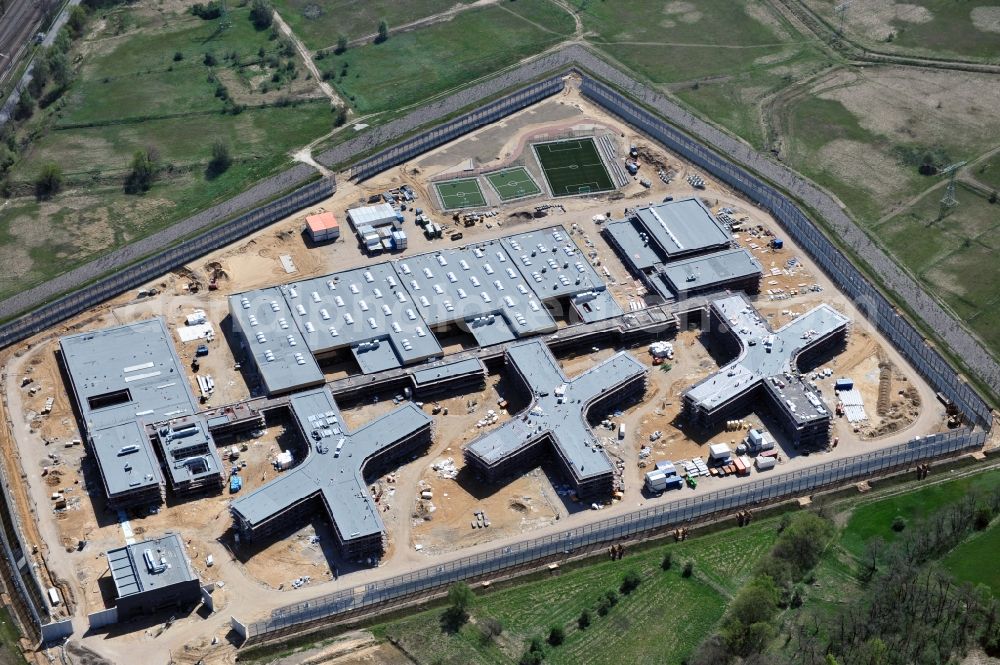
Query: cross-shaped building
[[766, 368], [556, 419], [333, 474]]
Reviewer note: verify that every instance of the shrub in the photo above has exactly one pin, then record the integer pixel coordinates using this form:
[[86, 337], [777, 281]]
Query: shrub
[[25, 106], [898, 523], [341, 44], [383, 32], [583, 620], [983, 518], [207, 12], [209, 59], [261, 14], [221, 159], [668, 561], [489, 628], [630, 582], [49, 181], [178, 56], [143, 172], [688, 569], [534, 654]]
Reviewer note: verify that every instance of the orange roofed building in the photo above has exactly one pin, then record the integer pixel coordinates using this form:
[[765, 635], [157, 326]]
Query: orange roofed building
[[322, 227]]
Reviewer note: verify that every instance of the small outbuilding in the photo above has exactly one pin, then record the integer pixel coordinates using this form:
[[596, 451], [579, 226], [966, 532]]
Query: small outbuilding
[[151, 576], [322, 227]]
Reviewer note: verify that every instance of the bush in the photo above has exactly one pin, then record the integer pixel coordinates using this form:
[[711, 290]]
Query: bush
[[207, 12], [77, 21], [668, 561], [489, 629], [383, 32], [178, 56], [261, 14], [983, 518], [535, 653], [209, 59], [461, 596], [339, 116], [630, 582], [49, 181], [688, 569], [557, 635], [583, 620], [607, 601], [898, 523], [341, 44], [143, 173], [221, 160], [25, 106]]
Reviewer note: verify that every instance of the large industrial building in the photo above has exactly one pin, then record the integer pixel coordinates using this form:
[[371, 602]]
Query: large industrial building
[[555, 422], [765, 370], [123, 379], [332, 475], [388, 314], [151, 576], [679, 250]]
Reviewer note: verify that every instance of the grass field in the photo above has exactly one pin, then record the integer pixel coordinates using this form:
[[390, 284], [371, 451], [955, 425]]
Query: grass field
[[462, 193], [413, 66], [319, 25], [953, 256], [932, 27], [513, 183], [573, 167], [660, 622], [975, 560], [988, 172], [875, 519]]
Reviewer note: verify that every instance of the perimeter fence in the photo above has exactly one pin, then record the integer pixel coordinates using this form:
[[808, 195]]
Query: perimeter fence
[[569, 542], [163, 262]]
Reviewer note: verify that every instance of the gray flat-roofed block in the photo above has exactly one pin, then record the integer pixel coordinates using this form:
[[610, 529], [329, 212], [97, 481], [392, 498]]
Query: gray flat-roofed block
[[682, 227], [640, 254], [273, 340], [708, 272], [166, 565], [464, 284], [123, 378], [357, 307], [446, 370]]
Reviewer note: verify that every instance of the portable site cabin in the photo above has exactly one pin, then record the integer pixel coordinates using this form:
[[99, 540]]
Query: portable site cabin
[[765, 463], [322, 227], [667, 468], [719, 452], [843, 384], [658, 481], [757, 441]]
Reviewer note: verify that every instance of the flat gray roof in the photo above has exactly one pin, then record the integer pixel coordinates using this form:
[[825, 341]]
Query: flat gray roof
[[765, 360], [447, 370], [178, 439], [152, 564], [468, 284], [367, 309], [682, 227], [283, 359], [640, 253], [705, 271], [123, 377], [557, 408], [333, 467]]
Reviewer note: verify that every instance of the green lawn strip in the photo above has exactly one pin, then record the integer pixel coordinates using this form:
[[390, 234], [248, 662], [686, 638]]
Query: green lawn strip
[[660, 622], [319, 25], [975, 560], [413, 66], [10, 654], [875, 519]]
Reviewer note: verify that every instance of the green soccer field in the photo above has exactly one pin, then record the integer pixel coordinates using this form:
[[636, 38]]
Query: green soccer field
[[464, 193], [573, 167], [513, 183]]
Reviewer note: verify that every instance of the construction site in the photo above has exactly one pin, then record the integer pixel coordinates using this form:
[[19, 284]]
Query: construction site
[[582, 325]]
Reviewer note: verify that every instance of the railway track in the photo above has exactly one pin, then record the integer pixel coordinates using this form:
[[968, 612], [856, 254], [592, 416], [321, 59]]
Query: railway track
[[17, 25]]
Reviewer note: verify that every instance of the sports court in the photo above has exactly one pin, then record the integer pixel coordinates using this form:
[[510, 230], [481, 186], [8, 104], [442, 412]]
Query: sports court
[[573, 167], [513, 183], [462, 193]]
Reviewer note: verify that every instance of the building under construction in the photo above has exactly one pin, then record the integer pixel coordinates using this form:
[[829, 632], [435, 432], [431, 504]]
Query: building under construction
[[678, 249], [122, 380], [556, 422], [332, 477], [766, 369]]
